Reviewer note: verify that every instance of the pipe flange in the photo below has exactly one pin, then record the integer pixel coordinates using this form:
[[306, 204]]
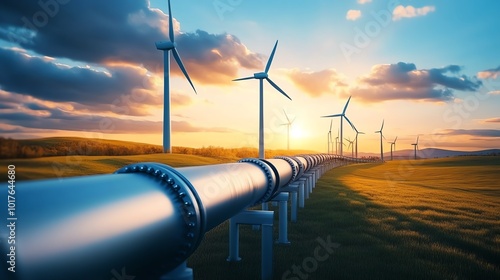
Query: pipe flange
[[295, 172], [269, 175], [187, 201], [300, 164]]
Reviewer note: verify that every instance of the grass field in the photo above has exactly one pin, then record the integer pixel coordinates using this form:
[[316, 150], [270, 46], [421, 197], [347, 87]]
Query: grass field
[[425, 219], [430, 219]]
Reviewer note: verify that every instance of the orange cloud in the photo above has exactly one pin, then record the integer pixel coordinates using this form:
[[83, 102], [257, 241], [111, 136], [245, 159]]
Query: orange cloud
[[316, 83]]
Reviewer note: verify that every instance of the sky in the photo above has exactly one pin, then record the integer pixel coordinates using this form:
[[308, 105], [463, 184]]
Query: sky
[[91, 69]]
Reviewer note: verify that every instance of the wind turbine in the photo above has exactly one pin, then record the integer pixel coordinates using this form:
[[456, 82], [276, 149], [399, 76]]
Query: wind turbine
[[393, 144], [341, 115], [381, 143], [288, 124], [357, 133], [337, 143], [261, 76], [415, 146], [329, 137], [166, 47], [350, 145]]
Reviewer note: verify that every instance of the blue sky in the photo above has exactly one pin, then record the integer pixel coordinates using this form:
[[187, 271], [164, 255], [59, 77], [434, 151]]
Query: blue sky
[[428, 68]]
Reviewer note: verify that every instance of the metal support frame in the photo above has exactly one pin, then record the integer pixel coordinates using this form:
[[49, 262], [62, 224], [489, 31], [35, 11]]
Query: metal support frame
[[282, 199], [254, 217]]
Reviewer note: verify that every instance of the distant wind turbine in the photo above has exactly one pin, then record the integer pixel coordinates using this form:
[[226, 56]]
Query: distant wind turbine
[[166, 47], [415, 147], [261, 76], [329, 137], [393, 144], [357, 133], [341, 115], [288, 124], [381, 143], [350, 145], [337, 143]]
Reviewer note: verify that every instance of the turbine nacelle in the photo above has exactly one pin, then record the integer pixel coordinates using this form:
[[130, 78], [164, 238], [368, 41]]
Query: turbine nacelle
[[165, 45], [261, 75]]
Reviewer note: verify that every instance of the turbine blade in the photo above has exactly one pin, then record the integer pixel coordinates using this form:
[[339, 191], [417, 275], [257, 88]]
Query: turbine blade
[[395, 139], [346, 104], [382, 125], [361, 132], [332, 116], [179, 62], [293, 120], [286, 116], [417, 138], [278, 88], [241, 79], [331, 122], [271, 58], [353, 127], [383, 136], [170, 24]]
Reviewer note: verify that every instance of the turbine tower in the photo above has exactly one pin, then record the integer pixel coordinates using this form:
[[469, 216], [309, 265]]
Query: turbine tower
[[288, 124], [166, 47], [393, 144], [261, 76], [341, 115], [329, 137], [381, 143], [337, 143], [415, 147], [350, 145]]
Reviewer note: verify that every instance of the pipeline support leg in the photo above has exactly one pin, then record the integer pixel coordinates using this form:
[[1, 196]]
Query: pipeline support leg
[[182, 272], [282, 198]]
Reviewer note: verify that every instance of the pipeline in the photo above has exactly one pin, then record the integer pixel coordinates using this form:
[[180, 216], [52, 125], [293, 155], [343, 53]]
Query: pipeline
[[143, 220]]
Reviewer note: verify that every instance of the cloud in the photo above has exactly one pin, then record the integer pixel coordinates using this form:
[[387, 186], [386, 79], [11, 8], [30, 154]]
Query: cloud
[[410, 11], [41, 117], [316, 83], [492, 120], [353, 15], [494, 92], [122, 31], [489, 74], [364, 1], [405, 81], [122, 89], [473, 132]]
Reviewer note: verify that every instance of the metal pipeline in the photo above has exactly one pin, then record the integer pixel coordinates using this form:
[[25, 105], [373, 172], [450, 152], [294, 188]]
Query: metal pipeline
[[144, 219]]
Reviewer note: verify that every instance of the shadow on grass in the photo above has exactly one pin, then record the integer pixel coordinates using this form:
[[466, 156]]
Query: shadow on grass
[[375, 243]]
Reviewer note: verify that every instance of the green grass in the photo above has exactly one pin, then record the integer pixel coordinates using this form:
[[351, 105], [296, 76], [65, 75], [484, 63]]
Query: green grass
[[425, 219]]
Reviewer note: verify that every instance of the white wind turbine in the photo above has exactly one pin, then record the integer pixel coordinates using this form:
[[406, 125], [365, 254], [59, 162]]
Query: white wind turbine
[[288, 124], [341, 115], [393, 144], [350, 145], [415, 147], [381, 143], [261, 76], [337, 143], [329, 137], [166, 47], [357, 133]]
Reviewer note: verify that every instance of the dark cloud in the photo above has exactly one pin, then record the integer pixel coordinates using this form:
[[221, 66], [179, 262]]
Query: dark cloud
[[122, 90], [489, 73], [474, 132], [112, 31], [405, 81], [43, 117], [316, 83]]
